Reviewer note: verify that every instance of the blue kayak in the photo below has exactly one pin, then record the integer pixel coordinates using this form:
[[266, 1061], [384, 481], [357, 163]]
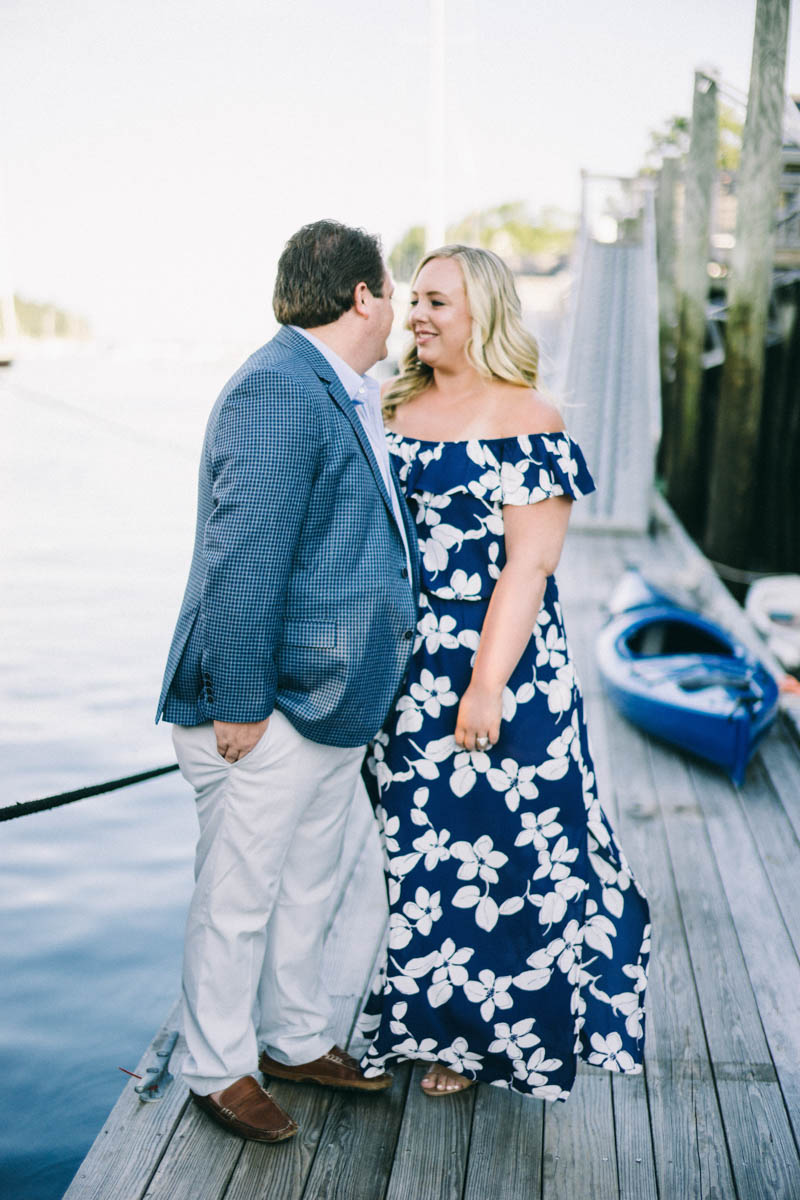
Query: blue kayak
[[684, 678]]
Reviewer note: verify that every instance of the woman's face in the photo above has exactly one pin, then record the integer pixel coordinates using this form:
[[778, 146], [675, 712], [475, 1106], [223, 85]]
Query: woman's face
[[439, 317]]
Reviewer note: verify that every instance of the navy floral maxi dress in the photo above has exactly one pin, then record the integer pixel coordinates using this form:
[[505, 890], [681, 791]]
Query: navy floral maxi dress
[[518, 935]]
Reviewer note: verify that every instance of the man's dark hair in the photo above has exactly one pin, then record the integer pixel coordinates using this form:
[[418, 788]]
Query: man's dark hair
[[318, 272]]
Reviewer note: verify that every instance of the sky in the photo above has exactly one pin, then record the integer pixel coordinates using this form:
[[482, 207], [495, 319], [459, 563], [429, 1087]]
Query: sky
[[154, 157]]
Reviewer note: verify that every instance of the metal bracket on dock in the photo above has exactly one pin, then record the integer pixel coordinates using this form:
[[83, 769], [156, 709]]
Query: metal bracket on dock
[[159, 1077]]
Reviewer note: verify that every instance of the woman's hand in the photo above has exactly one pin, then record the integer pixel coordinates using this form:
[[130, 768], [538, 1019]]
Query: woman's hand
[[479, 715]]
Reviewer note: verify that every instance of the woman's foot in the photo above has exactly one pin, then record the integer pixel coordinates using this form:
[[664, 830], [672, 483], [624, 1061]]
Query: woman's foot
[[441, 1081]]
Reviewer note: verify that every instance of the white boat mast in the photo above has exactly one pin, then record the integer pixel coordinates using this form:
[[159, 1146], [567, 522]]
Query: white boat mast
[[435, 231]]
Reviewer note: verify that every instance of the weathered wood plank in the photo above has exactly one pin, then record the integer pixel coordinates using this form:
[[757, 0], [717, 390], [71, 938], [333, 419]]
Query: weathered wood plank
[[773, 968], [260, 1172], [282, 1170], [636, 1166], [781, 759], [199, 1160], [687, 1128], [777, 843], [354, 1159], [128, 1148], [750, 1105], [506, 1147], [757, 1129], [579, 1147], [431, 1156]]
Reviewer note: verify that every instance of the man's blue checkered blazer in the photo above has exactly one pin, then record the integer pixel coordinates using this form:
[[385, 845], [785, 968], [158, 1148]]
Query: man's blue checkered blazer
[[298, 595]]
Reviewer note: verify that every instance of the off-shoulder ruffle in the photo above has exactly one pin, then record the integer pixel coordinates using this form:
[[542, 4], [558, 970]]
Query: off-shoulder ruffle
[[513, 470]]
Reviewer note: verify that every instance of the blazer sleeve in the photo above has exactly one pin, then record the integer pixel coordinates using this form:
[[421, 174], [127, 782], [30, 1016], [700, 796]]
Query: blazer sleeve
[[263, 457]]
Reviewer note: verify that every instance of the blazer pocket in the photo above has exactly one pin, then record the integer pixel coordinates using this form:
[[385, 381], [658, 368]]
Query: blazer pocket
[[315, 634]]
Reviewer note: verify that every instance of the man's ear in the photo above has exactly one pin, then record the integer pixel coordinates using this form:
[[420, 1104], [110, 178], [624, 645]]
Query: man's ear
[[361, 298]]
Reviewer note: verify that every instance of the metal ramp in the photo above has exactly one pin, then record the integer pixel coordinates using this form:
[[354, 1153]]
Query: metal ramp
[[608, 378]]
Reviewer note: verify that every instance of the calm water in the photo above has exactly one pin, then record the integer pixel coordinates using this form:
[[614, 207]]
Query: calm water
[[99, 459], [99, 454]]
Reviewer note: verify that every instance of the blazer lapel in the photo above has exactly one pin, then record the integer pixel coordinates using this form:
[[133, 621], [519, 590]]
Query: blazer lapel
[[325, 372]]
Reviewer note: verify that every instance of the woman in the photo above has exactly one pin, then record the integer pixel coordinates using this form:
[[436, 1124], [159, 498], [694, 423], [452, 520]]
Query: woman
[[518, 934]]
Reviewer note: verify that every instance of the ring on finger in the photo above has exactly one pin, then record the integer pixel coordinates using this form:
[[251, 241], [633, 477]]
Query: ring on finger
[[482, 742]]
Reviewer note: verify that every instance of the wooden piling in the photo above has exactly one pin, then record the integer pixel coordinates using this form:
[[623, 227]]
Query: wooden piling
[[732, 526], [666, 253], [684, 462]]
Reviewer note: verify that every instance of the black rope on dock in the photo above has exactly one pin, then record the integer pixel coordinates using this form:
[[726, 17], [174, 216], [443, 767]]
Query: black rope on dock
[[97, 789]]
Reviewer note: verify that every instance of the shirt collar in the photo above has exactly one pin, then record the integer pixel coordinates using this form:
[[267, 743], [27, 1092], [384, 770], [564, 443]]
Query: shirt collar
[[358, 387]]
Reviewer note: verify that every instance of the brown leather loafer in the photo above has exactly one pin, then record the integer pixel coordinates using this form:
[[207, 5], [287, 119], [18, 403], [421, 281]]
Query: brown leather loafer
[[335, 1069], [246, 1109]]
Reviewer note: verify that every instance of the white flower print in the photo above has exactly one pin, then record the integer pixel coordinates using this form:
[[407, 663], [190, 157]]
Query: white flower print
[[450, 972], [431, 693], [489, 991], [538, 829], [434, 846], [434, 752], [550, 1091], [434, 555], [466, 767], [551, 648], [598, 930], [480, 859], [630, 1005], [388, 827], [435, 549], [409, 1047], [607, 1052], [419, 800], [541, 964], [462, 586], [479, 453], [487, 910], [399, 931], [553, 861], [553, 905], [423, 910], [558, 690], [411, 719], [563, 745], [534, 1071], [459, 1057], [436, 633], [565, 461], [513, 1040], [512, 482], [566, 950], [428, 507], [515, 781]]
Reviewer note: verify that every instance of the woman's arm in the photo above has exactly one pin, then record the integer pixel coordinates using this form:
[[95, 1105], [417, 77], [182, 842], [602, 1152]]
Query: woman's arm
[[534, 535]]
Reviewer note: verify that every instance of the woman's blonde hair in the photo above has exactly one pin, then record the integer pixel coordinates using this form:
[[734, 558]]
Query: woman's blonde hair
[[498, 347]]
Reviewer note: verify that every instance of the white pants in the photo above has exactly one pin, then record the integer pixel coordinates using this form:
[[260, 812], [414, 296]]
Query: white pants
[[271, 832]]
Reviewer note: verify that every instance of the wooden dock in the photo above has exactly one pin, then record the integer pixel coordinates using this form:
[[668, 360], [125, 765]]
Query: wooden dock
[[715, 1116]]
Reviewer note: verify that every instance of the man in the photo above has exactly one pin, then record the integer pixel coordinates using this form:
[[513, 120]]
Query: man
[[294, 635]]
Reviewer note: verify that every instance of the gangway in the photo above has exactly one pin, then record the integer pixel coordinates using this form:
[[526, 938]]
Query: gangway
[[608, 376]]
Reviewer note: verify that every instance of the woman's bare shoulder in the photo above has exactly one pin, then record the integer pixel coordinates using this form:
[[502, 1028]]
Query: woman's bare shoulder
[[527, 411]]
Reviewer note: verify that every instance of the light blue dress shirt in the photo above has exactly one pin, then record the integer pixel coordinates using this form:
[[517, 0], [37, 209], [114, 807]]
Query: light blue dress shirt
[[365, 392]]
